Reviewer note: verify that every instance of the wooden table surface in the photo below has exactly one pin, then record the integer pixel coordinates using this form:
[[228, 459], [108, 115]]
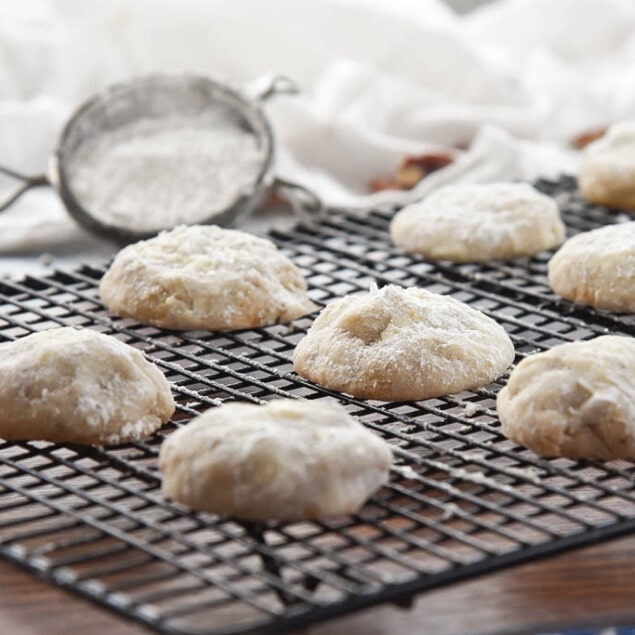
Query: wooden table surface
[[594, 585]]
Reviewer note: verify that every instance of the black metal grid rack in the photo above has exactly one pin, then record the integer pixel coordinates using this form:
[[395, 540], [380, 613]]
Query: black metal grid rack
[[462, 499]]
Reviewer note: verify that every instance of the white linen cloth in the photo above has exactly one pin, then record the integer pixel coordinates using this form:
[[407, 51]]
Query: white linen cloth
[[381, 79]]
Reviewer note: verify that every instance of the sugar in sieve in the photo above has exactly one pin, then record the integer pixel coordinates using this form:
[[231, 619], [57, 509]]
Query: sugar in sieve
[[161, 150]]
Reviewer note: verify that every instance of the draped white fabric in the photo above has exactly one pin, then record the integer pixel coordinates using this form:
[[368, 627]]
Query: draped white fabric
[[381, 79]]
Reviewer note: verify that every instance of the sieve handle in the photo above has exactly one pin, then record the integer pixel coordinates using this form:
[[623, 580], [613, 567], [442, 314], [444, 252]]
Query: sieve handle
[[307, 205], [27, 183], [270, 85]]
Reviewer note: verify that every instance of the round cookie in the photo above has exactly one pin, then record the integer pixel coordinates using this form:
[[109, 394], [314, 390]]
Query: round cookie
[[606, 175], [597, 268], [479, 222], [399, 344], [286, 460], [575, 400], [79, 386], [205, 277]]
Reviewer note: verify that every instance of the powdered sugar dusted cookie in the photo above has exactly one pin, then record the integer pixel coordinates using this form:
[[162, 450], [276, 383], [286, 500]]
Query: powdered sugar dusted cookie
[[73, 386], [575, 400], [399, 344], [286, 460], [607, 169], [597, 268], [479, 222], [205, 277]]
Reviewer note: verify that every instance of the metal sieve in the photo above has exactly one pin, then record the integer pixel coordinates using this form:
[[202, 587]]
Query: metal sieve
[[165, 103]]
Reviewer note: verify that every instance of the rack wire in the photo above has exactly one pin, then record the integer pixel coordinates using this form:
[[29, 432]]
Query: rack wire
[[462, 499]]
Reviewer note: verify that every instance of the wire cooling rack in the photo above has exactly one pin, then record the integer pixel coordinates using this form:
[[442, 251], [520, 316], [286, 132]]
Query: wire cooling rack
[[462, 499]]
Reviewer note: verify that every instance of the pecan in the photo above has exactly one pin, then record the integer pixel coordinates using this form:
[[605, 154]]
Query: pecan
[[411, 170], [583, 139], [381, 183], [414, 168]]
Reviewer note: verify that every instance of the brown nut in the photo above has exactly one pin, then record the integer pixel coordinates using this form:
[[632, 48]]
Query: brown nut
[[381, 183], [414, 168], [411, 170], [583, 139]]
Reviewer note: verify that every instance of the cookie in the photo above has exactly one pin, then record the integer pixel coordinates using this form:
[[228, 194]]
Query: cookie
[[287, 460], [606, 175], [79, 386], [205, 277], [397, 344], [479, 222], [597, 268], [575, 400]]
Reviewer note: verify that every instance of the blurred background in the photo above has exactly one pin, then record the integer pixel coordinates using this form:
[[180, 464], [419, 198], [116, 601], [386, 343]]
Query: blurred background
[[501, 89], [463, 6]]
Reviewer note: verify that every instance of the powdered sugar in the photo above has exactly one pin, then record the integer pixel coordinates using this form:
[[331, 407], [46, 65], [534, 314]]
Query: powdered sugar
[[79, 386], [398, 344], [470, 409], [405, 471], [479, 222], [206, 277], [155, 173]]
